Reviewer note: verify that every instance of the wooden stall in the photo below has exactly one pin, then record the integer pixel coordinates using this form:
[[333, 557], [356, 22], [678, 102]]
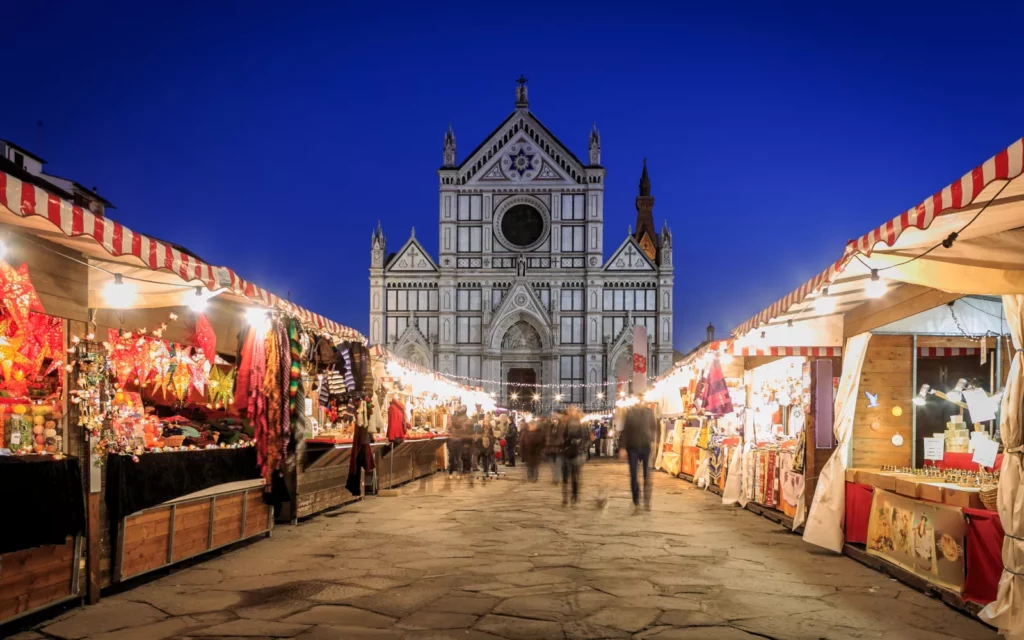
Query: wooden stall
[[40, 577], [190, 526]]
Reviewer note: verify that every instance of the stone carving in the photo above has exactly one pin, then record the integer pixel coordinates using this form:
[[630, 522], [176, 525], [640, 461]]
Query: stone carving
[[521, 335]]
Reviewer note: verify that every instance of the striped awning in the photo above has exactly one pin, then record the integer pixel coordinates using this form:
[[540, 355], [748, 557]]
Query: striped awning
[[946, 352], [846, 276], [29, 201]]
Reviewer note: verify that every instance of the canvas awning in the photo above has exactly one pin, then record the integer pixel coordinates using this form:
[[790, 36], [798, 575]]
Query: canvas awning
[[985, 209], [28, 207]]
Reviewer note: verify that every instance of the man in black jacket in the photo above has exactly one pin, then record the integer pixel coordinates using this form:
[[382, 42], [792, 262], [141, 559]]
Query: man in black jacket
[[635, 444]]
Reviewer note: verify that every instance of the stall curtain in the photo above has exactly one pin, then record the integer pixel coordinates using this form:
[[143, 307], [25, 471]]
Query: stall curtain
[[734, 478], [824, 525], [1007, 612]]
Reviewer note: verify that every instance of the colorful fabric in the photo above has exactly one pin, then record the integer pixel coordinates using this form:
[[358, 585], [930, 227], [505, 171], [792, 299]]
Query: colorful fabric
[[295, 366], [717, 399]]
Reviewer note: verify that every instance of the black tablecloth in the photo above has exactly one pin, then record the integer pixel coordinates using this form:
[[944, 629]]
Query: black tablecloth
[[41, 500], [159, 477]]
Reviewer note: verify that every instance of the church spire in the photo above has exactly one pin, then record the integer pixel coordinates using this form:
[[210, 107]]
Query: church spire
[[595, 147], [645, 232], [522, 102], [449, 148]]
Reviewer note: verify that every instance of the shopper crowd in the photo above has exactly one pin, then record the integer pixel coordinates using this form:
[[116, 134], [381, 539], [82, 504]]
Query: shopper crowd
[[563, 441]]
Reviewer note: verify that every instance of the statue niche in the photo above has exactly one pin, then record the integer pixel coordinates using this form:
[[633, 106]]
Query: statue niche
[[521, 335]]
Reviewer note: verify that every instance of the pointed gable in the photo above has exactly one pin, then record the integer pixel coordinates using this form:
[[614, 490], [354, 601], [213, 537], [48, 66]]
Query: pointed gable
[[629, 257], [412, 257], [493, 160], [520, 303]]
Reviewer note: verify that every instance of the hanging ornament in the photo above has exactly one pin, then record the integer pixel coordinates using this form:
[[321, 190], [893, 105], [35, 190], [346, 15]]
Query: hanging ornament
[[18, 295], [221, 387]]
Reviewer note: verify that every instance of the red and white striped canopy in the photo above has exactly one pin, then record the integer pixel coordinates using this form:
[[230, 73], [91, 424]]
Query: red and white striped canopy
[[29, 201], [1005, 165], [946, 352]]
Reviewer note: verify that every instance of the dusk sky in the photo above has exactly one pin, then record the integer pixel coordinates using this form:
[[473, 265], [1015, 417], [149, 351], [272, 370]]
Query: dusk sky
[[271, 138]]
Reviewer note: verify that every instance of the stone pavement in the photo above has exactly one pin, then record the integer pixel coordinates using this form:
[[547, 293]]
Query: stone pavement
[[505, 561]]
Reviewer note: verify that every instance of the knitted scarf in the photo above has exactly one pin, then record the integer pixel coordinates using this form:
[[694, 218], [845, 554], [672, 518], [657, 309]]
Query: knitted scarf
[[295, 369]]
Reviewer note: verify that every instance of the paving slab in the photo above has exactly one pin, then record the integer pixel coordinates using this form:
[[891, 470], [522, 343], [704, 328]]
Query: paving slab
[[504, 561]]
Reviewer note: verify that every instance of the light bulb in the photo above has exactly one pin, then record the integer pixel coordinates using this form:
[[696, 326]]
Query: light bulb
[[600, 396], [197, 302], [725, 358], [119, 294], [825, 303], [876, 286], [536, 397], [558, 398], [257, 318]]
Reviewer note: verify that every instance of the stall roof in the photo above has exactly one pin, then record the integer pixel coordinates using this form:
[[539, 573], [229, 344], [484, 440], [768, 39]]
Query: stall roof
[[29, 206], [908, 249]]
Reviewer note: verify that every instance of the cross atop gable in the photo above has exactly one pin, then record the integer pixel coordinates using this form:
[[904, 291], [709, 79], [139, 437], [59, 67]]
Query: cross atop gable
[[412, 257], [629, 257]]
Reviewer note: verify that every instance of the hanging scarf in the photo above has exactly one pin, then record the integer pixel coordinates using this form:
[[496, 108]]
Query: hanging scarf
[[718, 402], [295, 369], [244, 370]]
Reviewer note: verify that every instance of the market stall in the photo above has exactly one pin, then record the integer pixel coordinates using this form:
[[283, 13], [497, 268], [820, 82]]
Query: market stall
[[41, 541], [175, 383], [420, 406], [910, 394]]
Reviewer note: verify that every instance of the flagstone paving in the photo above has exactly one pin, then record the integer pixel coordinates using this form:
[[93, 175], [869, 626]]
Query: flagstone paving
[[504, 560]]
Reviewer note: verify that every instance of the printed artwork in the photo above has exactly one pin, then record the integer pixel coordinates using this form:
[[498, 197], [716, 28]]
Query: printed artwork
[[924, 538]]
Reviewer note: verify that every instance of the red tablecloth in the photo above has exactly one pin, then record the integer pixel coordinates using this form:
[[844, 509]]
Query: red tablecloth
[[960, 461], [984, 542], [984, 555]]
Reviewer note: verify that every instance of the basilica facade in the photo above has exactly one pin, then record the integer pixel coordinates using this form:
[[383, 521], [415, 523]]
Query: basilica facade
[[520, 298]]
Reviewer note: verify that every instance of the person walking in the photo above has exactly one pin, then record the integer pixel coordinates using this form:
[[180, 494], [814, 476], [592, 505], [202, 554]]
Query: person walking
[[577, 440], [487, 441], [511, 440], [556, 442], [458, 432], [533, 443], [635, 444]]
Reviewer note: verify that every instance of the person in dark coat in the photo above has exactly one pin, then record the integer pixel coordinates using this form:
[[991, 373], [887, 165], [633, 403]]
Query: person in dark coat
[[511, 440], [638, 435], [533, 442]]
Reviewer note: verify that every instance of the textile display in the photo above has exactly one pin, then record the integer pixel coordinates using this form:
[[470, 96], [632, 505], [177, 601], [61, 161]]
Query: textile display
[[951, 460], [733, 477], [49, 500], [924, 538], [858, 510], [984, 563], [984, 542], [397, 421], [824, 525], [158, 477], [791, 484], [1007, 612], [718, 402]]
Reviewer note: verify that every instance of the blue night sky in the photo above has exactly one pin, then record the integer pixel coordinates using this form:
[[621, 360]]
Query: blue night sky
[[270, 138]]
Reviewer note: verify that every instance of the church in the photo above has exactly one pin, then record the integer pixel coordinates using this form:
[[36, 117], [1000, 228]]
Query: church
[[520, 299]]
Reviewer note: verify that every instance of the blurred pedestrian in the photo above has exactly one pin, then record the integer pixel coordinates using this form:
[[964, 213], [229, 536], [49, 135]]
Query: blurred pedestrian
[[635, 443], [576, 442], [487, 441], [533, 442], [511, 440], [457, 434], [556, 442]]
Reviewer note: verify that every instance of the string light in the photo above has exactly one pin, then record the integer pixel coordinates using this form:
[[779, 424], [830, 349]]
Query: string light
[[825, 303], [119, 294], [514, 397], [257, 318], [536, 397], [876, 286], [600, 395], [503, 383], [197, 302]]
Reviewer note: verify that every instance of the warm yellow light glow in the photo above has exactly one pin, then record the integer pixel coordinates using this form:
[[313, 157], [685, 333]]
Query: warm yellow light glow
[[257, 318], [600, 396], [825, 303], [536, 397], [119, 294], [514, 396], [875, 288]]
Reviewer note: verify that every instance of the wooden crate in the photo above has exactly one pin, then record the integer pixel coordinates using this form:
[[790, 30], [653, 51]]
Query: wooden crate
[[167, 534], [36, 578]]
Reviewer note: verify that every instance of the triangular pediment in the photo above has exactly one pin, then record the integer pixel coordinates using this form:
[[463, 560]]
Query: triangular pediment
[[521, 161], [629, 257], [498, 158], [519, 304], [412, 257], [413, 346]]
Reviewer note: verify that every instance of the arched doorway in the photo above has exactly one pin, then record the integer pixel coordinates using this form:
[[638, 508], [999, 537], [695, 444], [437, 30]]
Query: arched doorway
[[520, 348]]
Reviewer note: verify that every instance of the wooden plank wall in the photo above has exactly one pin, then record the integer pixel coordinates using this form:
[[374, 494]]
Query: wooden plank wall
[[888, 371], [900, 303], [32, 578]]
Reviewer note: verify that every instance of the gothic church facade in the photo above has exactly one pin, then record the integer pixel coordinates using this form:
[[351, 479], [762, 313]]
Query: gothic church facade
[[520, 298]]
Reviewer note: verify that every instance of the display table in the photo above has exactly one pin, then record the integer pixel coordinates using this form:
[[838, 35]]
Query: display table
[[409, 460], [318, 481], [983, 545], [41, 543], [171, 506]]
